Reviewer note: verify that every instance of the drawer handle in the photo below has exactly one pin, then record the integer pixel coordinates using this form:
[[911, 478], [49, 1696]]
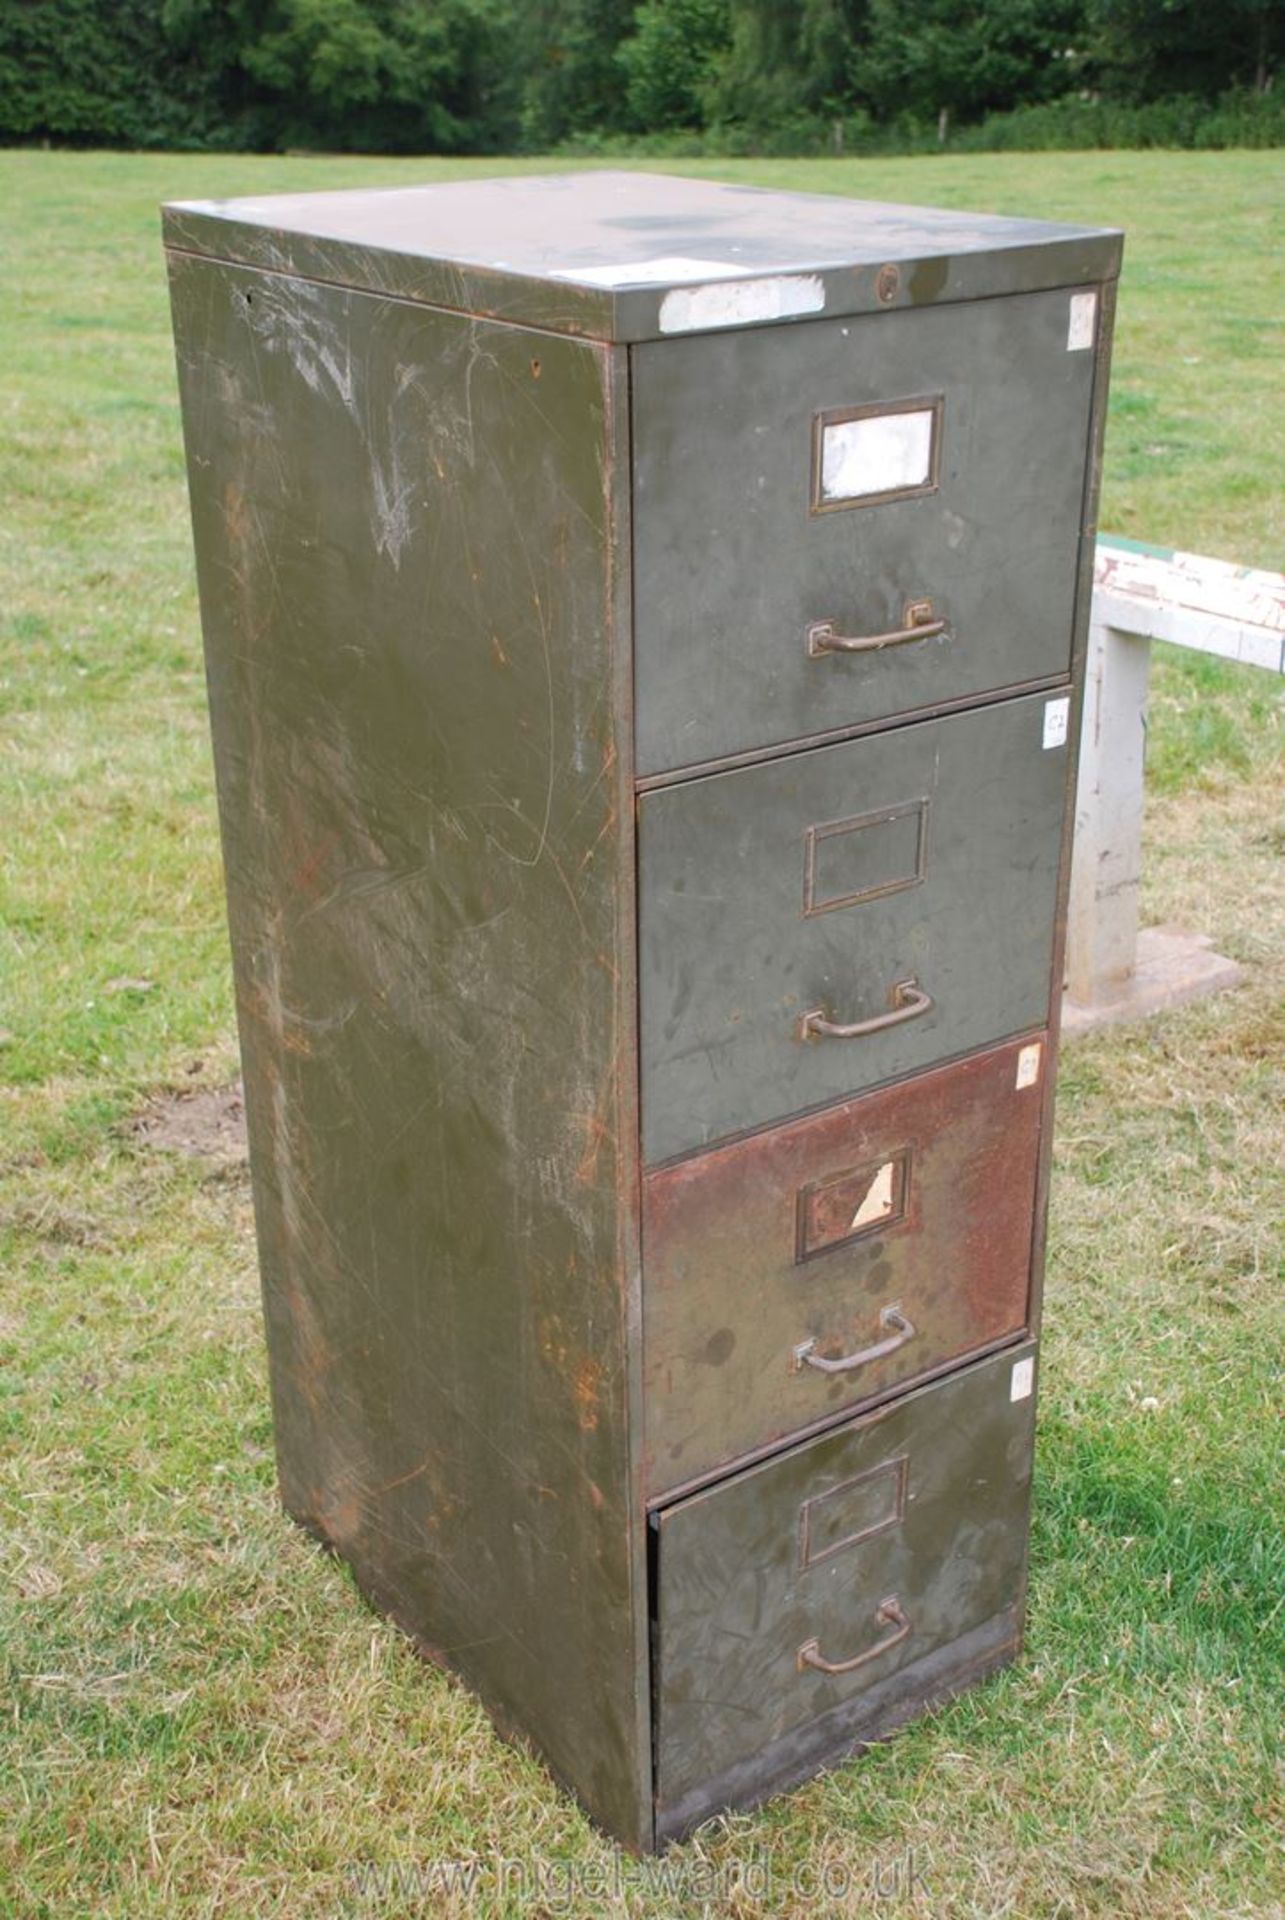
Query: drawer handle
[[921, 623], [908, 1001], [893, 1317], [888, 1613]]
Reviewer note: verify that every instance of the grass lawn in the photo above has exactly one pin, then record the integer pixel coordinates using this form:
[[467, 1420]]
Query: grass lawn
[[200, 1716]]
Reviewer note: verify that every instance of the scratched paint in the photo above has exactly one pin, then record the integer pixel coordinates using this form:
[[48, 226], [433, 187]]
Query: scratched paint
[[584, 254], [420, 789]]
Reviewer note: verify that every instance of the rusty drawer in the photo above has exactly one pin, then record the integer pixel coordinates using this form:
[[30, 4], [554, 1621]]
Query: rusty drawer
[[912, 480], [900, 889], [793, 1275], [823, 1596]]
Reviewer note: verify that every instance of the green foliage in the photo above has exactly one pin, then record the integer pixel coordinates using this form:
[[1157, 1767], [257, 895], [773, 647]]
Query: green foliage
[[81, 71], [1071, 124], [933, 56], [1152, 49], [404, 75], [670, 60], [390, 75], [571, 82], [787, 68], [1239, 119], [723, 76]]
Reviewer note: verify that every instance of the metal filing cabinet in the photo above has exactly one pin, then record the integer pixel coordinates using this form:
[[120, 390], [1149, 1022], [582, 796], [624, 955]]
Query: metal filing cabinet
[[643, 621]]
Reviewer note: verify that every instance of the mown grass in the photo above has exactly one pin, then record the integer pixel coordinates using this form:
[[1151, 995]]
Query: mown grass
[[200, 1716]]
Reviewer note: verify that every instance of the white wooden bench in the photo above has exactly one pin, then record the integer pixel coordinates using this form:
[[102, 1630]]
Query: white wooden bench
[[1142, 594]]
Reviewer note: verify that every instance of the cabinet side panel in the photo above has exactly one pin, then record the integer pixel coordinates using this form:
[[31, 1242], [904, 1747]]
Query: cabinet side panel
[[403, 527]]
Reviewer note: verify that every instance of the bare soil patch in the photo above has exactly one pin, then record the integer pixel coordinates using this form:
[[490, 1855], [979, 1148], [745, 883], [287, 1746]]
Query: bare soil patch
[[207, 1123]]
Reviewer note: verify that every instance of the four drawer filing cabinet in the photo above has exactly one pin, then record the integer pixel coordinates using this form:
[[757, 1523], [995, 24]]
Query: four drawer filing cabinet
[[642, 622]]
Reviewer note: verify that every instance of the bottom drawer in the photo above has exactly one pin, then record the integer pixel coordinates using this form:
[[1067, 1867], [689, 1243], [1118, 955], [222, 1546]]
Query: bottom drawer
[[822, 1597]]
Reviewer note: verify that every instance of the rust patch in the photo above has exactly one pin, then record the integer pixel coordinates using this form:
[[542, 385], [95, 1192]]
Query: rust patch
[[340, 1513], [310, 1364], [598, 1134], [887, 284], [307, 875], [236, 513], [588, 1385], [917, 1199]]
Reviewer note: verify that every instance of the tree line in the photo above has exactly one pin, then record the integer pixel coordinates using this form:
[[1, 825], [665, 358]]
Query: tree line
[[490, 76]]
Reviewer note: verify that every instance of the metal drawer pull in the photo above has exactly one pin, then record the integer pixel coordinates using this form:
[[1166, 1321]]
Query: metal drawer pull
[[888, 1613], [921, 624], [908, 1001], [893, 1317]]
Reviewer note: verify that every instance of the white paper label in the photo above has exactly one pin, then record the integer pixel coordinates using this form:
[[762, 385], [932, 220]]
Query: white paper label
[[1057, 714], [878, 453], [1028, 1065], [1082, 325], [877, 1204], [741, 303], [1022, 1382], [659, 272]]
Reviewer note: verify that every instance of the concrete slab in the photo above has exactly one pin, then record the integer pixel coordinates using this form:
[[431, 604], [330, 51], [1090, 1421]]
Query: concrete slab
[[1172, 968]]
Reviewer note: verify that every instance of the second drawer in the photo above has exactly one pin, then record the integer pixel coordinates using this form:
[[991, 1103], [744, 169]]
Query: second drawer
[[795, 1275], [823, 923]]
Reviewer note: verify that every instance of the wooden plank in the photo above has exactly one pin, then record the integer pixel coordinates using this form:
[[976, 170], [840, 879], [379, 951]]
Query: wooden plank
[[1122, 612], [1106, 867], [1212, 606], [1141, 594]]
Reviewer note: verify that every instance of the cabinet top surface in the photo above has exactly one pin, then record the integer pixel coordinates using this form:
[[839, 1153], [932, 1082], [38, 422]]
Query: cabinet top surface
[[636, 256]]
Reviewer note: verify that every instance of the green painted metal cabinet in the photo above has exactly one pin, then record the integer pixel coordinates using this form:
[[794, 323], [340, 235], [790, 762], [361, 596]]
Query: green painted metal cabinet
[[643, 621]]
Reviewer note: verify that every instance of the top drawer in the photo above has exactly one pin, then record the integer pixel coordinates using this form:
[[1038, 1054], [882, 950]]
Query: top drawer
[[878, 474]]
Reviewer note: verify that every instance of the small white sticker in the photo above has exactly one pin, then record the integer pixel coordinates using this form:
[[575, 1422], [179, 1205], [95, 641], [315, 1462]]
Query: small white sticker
[[1023, 1379], [1082, 326], [1028, 1064], [741, 303], [1057, 715]]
